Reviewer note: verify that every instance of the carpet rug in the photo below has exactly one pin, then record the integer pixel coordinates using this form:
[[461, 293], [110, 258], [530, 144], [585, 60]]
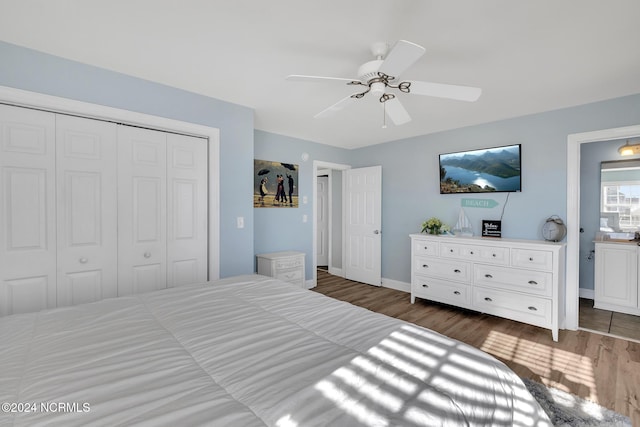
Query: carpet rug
[[567, 410]]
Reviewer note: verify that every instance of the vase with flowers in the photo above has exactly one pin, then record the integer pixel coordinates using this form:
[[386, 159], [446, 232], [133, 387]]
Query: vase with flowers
[[434, 226]]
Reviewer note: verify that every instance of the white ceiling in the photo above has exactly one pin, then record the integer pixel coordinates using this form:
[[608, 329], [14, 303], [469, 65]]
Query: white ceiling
[[528, 56]]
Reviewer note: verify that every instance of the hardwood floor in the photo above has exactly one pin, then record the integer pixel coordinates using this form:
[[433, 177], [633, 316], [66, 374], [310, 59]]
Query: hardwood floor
[[602, 369], [611, 322]]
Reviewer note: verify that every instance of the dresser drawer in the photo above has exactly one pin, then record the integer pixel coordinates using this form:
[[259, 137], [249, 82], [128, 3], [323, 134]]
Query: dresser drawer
[[443, 268], [531, 258], [289, 262], [425, 247], [493, 255], [513, 279], [292, 275], [441, 291], [524, 308]]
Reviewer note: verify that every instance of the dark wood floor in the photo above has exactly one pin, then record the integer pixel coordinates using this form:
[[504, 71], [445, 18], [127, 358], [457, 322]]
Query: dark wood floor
[[602, 369]]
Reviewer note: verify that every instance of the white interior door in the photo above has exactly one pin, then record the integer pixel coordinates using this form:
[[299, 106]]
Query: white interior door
[[187, 212], [363, 195], [27, 210], [142, 210], [322, 220], [87, 214]]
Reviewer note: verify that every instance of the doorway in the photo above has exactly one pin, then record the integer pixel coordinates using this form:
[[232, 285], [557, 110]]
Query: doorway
[[334, 242], [574, 143]]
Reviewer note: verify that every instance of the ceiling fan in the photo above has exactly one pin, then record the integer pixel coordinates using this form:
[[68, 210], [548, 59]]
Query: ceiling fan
[[379, 75]]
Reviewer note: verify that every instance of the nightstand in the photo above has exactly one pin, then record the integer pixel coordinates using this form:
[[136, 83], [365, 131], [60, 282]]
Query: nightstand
[[287, 266]]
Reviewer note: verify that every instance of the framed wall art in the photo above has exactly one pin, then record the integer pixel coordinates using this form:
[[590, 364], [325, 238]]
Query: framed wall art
[[275, 184]]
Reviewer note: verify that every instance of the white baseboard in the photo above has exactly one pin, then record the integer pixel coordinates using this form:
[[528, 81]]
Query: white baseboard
[[336, 271], [586, 293], [397, 285]]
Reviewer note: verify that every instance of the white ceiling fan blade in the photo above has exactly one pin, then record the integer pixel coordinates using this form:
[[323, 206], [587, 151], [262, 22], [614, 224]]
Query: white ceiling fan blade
[[335, 107], [300, 78], [402, 56], [396, 112], [441, 90]]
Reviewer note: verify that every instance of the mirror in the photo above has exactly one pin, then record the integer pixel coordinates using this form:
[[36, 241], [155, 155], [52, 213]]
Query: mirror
[[620, 198]]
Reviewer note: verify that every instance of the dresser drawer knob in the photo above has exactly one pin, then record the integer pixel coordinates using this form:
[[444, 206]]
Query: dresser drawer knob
[[424, 285], [471, 252], [426, 247], [457, 271], [488, 276], [488, 299], [456, 292], [451, 250], [533, 282], [532, 308], [530, 258], [425, 266], [83, 260], [494, 255]]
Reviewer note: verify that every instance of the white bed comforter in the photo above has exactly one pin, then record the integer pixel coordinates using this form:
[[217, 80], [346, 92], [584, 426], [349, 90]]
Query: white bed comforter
[[246, 351]]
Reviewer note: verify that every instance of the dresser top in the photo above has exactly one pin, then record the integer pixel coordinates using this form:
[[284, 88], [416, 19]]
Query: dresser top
[[279, 255], [484, 240]]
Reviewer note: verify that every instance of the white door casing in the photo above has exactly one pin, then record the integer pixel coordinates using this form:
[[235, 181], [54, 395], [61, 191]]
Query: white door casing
[[86, 209], [322, 220], [187, 210], [27, 210], [363, 190], [142, 213]]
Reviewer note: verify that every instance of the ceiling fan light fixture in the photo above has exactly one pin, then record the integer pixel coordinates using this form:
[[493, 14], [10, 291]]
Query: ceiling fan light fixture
[[377, 88], [629, 150]]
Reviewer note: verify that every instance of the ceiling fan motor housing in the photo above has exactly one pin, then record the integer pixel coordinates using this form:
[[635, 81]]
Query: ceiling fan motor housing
[[369, 70]]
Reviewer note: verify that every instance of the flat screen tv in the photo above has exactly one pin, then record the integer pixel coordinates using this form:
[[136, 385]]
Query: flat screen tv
[[489, 170]]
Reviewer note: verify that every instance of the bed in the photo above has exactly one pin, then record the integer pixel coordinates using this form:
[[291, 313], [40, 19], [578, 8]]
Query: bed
[[246, 351]]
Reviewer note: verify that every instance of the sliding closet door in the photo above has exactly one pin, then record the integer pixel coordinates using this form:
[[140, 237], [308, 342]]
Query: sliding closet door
[[187, 209], [27, 210], [87, 209], [142, 210]]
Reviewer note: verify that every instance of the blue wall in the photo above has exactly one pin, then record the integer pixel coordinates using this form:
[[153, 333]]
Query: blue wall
[[38, 72], [282, 229], [410, 174]]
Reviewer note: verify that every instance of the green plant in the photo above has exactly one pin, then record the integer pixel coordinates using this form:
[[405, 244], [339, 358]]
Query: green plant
[[433, 225]]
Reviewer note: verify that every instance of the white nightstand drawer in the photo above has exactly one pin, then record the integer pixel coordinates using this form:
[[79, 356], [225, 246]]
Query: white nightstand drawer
[[289, 262], [290, 275]]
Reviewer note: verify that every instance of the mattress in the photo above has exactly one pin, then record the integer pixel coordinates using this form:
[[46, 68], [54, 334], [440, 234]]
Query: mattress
[[246, 351]]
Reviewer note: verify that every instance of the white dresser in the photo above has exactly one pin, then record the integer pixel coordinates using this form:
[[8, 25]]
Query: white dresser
[[287, 266], [521, 280]]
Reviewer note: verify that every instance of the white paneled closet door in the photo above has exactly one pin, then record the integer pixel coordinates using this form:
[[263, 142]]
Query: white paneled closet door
[[27, 210], [87, 209], [142, 210], [187, 210]]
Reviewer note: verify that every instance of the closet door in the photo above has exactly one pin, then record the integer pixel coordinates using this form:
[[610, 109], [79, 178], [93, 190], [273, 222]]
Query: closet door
[[87, 213], [142, 210], [187, 210], [27, 210]]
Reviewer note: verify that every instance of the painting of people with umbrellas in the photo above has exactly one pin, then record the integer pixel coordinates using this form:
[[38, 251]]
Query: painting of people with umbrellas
[[275, 184]]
